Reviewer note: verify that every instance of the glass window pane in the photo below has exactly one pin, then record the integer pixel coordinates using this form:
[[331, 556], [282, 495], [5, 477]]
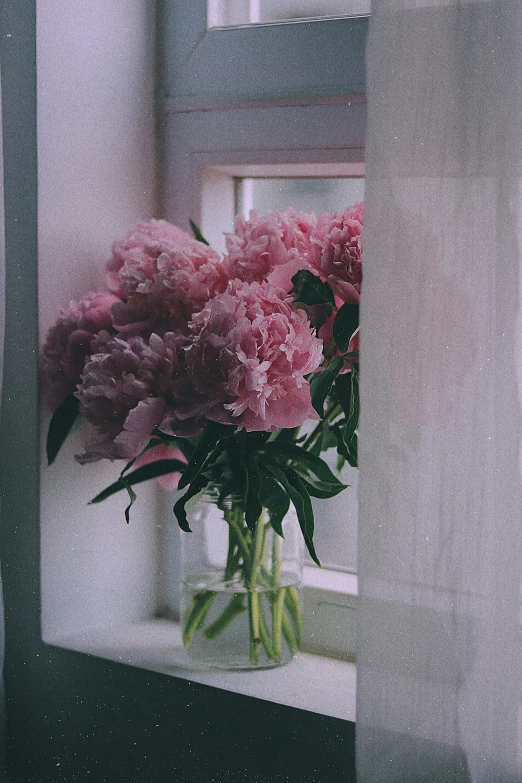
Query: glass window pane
[[336, 519], [225, 13], [316, 194]]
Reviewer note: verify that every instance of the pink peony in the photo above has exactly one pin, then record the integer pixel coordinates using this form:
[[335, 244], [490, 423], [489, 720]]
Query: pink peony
[[169, 482], [69, 342], [128, 389], [338, 250], [249, 358], [165, 276], [271, 247], [141, 245]]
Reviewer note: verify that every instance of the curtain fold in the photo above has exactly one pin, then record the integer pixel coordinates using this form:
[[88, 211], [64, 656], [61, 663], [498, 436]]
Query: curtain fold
[[440, 557]]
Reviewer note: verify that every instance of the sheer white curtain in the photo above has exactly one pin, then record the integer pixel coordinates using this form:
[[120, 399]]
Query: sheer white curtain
[[439, 660]]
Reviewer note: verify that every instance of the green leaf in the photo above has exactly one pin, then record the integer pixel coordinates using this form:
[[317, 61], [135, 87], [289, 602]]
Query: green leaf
[[207, 442], [297, 454], [253, 504], [235, 463], [150, 445], [185, 445], [322, 383], [180, 512], [289, 434], [319, 489], [275, 500], [345, 324], [342, 447], [328, 440], [353, 413], [228, 488], [197, 233], [161, 467], [250, 441], [132, 497], [343, 388], [310, 290], [352, 451], [61, 424], [347, 450], [299, 496]]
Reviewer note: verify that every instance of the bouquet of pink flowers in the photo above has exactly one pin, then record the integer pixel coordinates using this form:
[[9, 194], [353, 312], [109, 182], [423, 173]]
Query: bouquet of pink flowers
[[205, 367]]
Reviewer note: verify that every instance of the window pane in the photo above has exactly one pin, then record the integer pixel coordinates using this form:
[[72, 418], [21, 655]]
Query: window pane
[[336, 519], [224, 13], [307, 195]]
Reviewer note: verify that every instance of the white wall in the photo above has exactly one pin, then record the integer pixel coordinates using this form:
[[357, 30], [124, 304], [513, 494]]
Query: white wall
[[96, 172]]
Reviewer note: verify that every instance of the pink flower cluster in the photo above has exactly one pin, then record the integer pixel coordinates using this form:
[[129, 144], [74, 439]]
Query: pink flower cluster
[[270, 247], [128, 389], [184, 337], [164, 275], [338, 251], [249, 357], [69, 343], [274, 247]]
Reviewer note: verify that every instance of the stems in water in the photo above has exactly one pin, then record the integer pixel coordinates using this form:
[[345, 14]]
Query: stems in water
[[256, 566]]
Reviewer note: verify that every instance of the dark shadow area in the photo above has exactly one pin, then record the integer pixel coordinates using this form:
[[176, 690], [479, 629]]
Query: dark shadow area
[[112, 724]]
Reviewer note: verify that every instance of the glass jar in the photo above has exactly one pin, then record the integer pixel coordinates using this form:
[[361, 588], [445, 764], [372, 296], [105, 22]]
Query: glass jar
[[240, 597]]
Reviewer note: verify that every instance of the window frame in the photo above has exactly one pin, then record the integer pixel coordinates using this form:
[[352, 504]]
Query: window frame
[[288, 120]]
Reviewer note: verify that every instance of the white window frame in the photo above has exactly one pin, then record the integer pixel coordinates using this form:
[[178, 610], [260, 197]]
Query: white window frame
[[243, 102]]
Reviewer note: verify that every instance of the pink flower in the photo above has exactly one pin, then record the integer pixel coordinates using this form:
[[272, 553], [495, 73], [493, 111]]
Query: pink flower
[[169, 482], [338, 249], [249, 358], [271, 247], [164, 275], [69, 342], [128, 389], [141, 245]]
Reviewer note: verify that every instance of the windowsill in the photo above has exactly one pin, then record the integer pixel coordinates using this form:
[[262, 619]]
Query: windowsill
[[334, 581], [310, 682]]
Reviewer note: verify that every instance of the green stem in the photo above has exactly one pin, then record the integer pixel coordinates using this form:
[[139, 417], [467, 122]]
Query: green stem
[[293, 605], [253, 616], [196, 615], [248, 550], [289, 634], [292, 637], [231, 519], [277, 621], [276, 560], [229, 614], [318, 431], [264, 635], [264, 553], [253, 596], [232, 546], [259, 540], [278, 596]]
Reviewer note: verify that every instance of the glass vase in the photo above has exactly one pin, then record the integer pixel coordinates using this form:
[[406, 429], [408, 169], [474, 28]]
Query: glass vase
[[240, 598]]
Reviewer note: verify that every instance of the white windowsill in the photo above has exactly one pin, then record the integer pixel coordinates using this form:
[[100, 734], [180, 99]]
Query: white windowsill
[[310, 682], [328, 579]]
